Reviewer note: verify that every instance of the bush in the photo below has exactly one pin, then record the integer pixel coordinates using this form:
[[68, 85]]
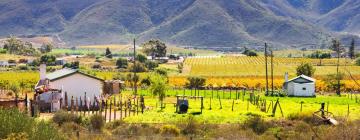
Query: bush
[[23, 67], [61, 117], [169, 130], [17, 125], [302, 116], [191, 126], [114, 124], [97, 122], [257, 124], [357, 61]]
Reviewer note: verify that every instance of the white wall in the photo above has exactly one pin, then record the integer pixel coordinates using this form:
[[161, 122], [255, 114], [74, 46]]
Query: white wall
[[77, 84], [297, 89]]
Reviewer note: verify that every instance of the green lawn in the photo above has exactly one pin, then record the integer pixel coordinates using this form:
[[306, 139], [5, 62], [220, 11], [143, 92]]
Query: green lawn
[[241, 110]]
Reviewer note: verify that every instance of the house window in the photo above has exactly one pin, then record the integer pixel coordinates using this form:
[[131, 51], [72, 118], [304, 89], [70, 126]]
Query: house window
[[304, 88]]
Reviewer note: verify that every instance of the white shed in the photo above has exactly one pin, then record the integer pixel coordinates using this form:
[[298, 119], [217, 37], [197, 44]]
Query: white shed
[[76, 83], [300, 86], [71, 81]]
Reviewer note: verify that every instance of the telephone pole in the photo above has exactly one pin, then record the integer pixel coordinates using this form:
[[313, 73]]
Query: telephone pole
[[266, 69], [134, 68], [272, 73]]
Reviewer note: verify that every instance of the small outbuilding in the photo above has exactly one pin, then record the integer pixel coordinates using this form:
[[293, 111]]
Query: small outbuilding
[[302, 86]]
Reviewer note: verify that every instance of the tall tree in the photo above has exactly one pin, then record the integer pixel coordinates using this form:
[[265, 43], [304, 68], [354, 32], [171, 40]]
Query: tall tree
[[108, 53], [154, 48], [338, 49], [45, 48], [352, 49]]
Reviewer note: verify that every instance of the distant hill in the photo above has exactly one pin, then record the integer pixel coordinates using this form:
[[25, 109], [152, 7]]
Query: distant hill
[[203, 23]]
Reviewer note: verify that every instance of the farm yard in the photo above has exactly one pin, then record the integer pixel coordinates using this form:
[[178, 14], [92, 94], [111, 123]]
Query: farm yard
[[232, 98]]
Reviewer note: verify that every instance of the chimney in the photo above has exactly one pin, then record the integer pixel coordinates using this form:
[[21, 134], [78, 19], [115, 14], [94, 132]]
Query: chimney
[[286, 77], [42, 71]]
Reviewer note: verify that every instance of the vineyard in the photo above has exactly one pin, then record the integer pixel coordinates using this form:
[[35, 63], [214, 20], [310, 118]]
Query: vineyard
[[230, 71]]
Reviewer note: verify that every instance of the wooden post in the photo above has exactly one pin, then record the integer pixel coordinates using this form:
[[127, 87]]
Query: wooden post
[[137, 106], [243, 97], [348, 113], [81, 107], [210, 104], [72, 105], [120, 105], [115, 108], [202, 105], [76, 105], [232, 107], [247, 107], [125, 108], [110, 111], [212, 92], [66, 101], [106, 102], [301, 104], [220, 103]]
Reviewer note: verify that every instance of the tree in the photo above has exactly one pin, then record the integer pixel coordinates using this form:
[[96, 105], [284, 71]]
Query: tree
[[72, 65], [154, 48], [158, 87], [338, 49], [352, 49], [138, 67], [141, 58], [357, 61], [121, 63], [13, 45], [248, 52], [161, 71], [108, 53], [132, 79], [305, 69], [151, 65], [195, 82], [46, 48], [48, 59]]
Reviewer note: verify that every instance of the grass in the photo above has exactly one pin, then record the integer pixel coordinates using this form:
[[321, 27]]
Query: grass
[[289, 105]]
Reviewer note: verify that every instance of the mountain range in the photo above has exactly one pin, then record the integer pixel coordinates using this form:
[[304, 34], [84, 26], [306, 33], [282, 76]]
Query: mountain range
[[198, 23]]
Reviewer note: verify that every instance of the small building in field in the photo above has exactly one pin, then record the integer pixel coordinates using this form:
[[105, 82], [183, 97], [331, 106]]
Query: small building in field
[[302, 86]]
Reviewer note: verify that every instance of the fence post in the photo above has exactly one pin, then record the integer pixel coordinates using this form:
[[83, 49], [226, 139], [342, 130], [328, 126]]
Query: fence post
[[232, 107], [220, 103], [210, 104], [110, 111], [76, 105], [301, 105], [66, 101], [114, 108], [81, 107], [106, 102], [72, 105]]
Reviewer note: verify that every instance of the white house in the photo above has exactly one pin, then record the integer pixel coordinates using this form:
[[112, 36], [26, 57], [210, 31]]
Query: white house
[[300, 86], [70, 81]]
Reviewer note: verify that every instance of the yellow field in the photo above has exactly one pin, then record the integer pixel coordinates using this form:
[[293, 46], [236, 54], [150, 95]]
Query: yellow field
[[230, 71], [255, 66]]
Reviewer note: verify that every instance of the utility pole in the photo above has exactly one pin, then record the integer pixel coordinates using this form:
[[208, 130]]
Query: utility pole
[[266, 69], [272, 73], [337, 68], [134, 68]]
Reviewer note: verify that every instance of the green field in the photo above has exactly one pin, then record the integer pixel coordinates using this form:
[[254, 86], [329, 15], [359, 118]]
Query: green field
[[290, 105]]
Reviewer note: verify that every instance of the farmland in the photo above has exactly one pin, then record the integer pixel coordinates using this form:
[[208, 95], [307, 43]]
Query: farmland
[[231, 71], [240, 111]]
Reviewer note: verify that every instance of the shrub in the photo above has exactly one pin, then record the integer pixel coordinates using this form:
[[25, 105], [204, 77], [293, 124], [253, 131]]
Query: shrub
[[70, 127], [169, 130], [357, 61], [97, 122], [23, 67], [61, 117], [17, 125], [191, 125], [257, 124], [114, 124]]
